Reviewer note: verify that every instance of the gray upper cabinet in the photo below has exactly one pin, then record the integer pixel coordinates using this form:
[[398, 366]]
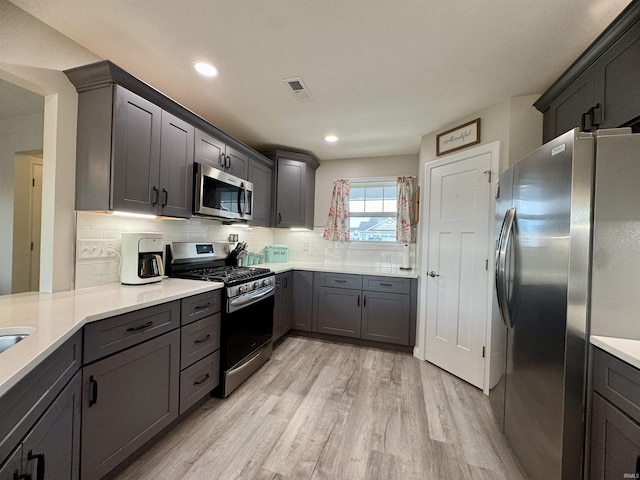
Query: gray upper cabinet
[[601, 89], [618, 80], [295, 188], [215, 153], [132, 155], [261, 174]]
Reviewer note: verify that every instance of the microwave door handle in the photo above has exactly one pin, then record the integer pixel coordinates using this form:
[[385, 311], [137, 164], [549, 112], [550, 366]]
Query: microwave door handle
[[504, 243], [246, 200], [240, 203]]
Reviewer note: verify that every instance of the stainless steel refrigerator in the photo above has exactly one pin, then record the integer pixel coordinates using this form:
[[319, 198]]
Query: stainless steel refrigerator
[[551, 207]]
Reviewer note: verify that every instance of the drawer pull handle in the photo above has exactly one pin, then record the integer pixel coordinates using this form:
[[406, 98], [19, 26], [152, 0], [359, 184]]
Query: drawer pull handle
[[202, 340], [202, 307], [340, 281], [201, 380], [386, 284], [39, 458], [140, 327], [93, 397]]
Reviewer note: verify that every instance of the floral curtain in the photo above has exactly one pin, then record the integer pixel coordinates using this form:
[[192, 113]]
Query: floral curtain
[[338, 222], [405, 226]]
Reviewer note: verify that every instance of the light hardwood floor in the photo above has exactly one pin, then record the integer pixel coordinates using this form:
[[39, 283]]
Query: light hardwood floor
[[321, 410]]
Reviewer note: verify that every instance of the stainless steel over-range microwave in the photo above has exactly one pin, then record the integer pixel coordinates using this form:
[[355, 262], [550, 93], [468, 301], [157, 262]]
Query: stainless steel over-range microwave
[[218, 194]]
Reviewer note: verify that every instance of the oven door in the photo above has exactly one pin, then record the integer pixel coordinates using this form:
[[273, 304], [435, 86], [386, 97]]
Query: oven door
[[246, 325], [219, 194]]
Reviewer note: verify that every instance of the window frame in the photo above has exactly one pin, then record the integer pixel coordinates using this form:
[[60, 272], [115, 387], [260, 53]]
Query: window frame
[[374, 183]]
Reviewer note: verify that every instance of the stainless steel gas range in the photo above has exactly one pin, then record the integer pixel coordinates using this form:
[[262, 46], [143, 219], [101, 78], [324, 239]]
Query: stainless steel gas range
[[247, 310]]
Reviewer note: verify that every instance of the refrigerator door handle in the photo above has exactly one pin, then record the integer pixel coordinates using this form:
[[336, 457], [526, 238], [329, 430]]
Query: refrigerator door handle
[[504, 241]]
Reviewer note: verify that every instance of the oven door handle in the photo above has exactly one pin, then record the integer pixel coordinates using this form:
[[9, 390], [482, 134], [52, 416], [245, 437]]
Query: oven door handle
[[244, 300]]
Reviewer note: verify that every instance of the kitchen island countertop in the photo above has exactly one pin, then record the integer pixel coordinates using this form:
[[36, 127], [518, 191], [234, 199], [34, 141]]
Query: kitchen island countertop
[[55, 317], [375, 270], [625, 349]]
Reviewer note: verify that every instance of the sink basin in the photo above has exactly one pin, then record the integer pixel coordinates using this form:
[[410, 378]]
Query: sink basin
[[10, 336]]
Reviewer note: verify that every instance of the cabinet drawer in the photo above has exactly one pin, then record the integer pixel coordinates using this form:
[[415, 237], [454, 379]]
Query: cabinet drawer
[[339, 280], [200, 306], [618, 382], [109, 336], [386, 284], [198, 380], [199, 339]]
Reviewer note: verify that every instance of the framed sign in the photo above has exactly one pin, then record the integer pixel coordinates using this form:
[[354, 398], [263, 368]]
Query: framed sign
[[457, 138]]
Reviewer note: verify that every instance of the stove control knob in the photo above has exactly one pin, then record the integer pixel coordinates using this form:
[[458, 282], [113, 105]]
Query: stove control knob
[[242, 289], [256, 285], [265, 283]]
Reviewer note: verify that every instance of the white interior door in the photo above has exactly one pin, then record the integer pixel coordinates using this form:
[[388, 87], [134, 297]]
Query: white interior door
[[457, 264]]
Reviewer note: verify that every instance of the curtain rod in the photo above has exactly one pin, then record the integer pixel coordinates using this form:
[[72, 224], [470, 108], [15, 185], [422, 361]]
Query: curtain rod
[[374, 179]]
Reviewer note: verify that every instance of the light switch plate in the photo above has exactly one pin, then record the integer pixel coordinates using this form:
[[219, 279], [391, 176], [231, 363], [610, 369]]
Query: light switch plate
[[95, 248]]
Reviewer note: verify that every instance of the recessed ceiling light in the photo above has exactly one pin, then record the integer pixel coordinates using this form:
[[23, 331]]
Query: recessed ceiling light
[[331, 138], [206, 69]]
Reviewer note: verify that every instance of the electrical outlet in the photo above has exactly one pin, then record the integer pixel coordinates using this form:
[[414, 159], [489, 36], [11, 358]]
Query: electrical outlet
[[91, 248], [305, 247]]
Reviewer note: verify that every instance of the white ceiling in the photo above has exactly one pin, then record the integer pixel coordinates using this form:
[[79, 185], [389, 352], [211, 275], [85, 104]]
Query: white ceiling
[[382, 72]]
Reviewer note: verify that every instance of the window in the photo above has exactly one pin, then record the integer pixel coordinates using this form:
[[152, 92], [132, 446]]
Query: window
[[372, 207]]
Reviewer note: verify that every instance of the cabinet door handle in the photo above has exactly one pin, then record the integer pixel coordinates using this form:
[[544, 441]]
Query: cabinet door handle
[[364, 302], [140, 327], [358, 300], [204, 339], [279, 218], [39, 458], [93, 394], [202, 379], [165, 198], [285, 282], [583, 121], [156, 195], [222, 161], [227, 163], [595, 115]]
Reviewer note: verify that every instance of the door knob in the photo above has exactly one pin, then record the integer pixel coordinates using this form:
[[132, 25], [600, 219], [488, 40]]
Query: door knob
[[433, 274]]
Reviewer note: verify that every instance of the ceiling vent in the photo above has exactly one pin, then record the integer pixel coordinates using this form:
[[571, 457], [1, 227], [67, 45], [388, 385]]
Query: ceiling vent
[[298, 88]]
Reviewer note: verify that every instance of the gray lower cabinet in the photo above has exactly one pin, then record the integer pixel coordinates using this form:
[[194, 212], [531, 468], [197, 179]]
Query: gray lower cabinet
[[615, 419], [338, 311], [51, 449], [374, 308], [385, 317], [128, 398], [302, 301], [282, 311], [40, 418], [200, 347]]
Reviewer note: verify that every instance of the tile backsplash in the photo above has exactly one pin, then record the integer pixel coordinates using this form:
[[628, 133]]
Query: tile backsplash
[[304, 246]]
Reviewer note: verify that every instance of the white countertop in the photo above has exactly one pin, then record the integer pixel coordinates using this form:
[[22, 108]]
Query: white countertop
[[56, 317], [623, 348], [376, 270]]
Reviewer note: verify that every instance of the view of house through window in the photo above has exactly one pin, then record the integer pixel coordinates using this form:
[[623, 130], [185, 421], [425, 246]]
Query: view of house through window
[[372, 207]]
